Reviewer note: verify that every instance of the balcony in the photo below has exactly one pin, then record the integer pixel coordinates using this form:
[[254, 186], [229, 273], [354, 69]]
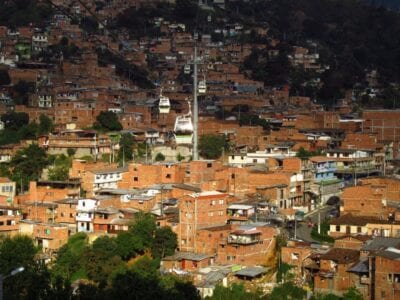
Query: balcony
[[84, 217], [325, 169], [245, 238], [358, 169]]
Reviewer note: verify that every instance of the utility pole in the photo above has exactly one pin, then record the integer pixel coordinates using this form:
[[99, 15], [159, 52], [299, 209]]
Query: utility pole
[[319, 222], [123, 157], [195, 107]]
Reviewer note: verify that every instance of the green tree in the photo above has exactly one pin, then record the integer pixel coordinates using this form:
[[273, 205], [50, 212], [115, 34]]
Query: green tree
[[15, 120], [144, 228], [27, 164], [287, 291], [58, 173], [68, 264], [71, 152], [145, 287], [146, 267], [325, 297], [352, 294], [128, 245], [234, 292], [303, 153], [34, 281], [283, 273], [125, 152], [45, 125], [89, 291], [165, 242], [211, 146], [105, 245], [101, 265], [160, 157], [108, 120]]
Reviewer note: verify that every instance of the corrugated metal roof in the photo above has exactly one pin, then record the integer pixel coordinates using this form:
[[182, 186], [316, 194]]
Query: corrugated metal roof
[[251, 272], [381, 243]]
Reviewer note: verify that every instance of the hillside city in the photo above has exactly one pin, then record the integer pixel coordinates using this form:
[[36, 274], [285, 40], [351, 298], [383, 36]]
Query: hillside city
[[212, 149]]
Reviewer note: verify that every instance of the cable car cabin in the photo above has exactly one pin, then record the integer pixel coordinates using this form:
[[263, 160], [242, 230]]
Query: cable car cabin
[[183, 130], [186, 69], [202, 87], [164, 105]]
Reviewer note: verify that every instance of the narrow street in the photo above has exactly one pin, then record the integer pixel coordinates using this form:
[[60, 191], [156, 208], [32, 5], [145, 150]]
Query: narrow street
[[303, 231]]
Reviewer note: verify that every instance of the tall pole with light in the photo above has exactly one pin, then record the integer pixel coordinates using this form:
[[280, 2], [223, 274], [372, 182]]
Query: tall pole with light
[[12, 273]]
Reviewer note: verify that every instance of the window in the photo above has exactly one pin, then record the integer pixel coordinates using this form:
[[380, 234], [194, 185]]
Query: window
[[255, 160], [358, 229], [210, 214], [209, 165], [337, 228], [221, 213], [213, 202], [135, 178], [7, 188], [221, 202], [168, 176], [83, 203], [233, 176]]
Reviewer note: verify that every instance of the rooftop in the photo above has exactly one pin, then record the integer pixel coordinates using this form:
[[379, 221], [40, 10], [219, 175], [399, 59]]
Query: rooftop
[[251, 272], [381, 243], [341, 255], [187, 256], [350, 219]]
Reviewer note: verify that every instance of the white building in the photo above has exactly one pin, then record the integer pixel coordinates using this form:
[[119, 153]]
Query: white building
[[85, 214]]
